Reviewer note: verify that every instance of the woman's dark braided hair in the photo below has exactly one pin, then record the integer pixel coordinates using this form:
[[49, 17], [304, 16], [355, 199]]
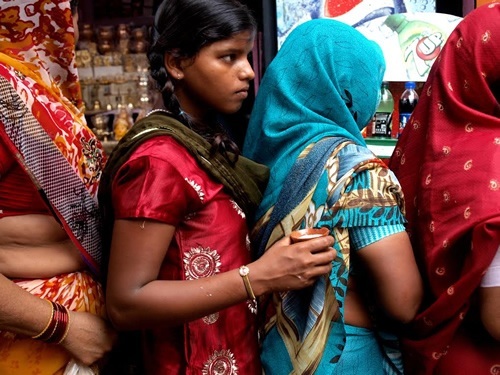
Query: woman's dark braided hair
[[182, 28]]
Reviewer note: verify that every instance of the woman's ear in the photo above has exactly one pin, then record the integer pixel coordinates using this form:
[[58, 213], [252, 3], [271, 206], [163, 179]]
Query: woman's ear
[[173, 66]]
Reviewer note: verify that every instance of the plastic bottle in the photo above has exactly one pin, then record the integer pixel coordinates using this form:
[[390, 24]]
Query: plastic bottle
[[382, 120], [407, 103], [420, 43]]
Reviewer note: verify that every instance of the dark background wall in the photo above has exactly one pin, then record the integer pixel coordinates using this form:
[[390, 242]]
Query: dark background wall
[[449, 7]]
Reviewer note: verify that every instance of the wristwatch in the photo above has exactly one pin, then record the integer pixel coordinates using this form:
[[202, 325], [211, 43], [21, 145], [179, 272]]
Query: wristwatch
[[252, 300]]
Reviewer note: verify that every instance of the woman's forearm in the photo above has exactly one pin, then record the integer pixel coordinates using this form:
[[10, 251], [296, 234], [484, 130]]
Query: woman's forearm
[[20, 311]]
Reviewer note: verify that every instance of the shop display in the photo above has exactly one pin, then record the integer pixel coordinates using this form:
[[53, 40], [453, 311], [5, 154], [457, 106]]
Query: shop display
[[382, 120], [122, 123], [113, 70]]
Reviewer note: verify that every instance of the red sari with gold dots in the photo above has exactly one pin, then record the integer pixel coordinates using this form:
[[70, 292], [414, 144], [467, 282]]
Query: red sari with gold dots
[[447, 163]]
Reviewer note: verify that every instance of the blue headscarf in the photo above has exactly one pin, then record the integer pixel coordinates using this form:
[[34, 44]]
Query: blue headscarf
[[324, 82]]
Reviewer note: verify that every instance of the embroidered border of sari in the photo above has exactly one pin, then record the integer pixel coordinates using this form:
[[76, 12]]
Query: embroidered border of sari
[[78, 291], [51, 141]]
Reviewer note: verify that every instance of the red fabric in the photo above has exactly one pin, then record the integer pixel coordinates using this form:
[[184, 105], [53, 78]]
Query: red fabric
[[466, 356], [162, 181], [447, 162], [18, 195]]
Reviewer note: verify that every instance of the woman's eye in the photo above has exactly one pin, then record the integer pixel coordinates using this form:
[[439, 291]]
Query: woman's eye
[[229, 58]]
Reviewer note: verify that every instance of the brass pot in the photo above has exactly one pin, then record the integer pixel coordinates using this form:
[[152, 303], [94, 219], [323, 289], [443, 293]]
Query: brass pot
[[105, 33], [104, 46], [122, 31], [87, 32]]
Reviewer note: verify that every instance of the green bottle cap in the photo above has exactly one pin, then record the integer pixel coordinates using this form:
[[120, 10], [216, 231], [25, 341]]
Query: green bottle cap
[[396, 21]]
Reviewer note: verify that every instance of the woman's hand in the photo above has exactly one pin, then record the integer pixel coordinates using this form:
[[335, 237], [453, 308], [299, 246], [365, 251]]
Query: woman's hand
[[286, 266], [89, 337], [137, 299]]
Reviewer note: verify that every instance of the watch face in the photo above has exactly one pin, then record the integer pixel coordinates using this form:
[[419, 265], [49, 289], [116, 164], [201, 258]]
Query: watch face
[[244, 271]]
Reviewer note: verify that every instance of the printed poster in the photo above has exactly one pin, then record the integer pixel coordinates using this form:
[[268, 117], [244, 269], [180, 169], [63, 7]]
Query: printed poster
[[409, 32]]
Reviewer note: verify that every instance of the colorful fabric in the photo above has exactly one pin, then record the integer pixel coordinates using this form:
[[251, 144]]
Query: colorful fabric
[[447, 162], [354, 190], [40, 123], [44, 130], [316, 96], [20, 355], [245, 180], [364, 236], [18, 196], [161, 180], [40, 35]]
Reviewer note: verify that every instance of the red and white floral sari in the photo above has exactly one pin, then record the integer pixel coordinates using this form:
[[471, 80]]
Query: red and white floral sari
[[43, 126]]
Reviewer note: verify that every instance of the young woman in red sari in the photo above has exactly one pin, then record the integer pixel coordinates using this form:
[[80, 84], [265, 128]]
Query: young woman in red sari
[[176, 196], [52, 306], [447, 162]]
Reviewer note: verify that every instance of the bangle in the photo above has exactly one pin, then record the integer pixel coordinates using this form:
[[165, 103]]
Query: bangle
[[67, 327], [47, 334], [58, 326], [48, 323], [252, 301], [61, 319]]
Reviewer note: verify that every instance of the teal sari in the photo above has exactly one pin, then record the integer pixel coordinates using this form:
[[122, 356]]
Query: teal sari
[[321, 89]]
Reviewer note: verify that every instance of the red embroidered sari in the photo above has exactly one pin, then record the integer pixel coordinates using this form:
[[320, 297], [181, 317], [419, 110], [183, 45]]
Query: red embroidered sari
[[447, 162]]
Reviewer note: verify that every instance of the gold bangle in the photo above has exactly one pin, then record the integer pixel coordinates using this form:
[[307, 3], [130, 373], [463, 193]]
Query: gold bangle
[[252, 303], [48, 323]]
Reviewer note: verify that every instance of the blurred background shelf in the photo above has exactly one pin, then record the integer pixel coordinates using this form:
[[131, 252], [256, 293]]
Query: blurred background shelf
[[381, 147]]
